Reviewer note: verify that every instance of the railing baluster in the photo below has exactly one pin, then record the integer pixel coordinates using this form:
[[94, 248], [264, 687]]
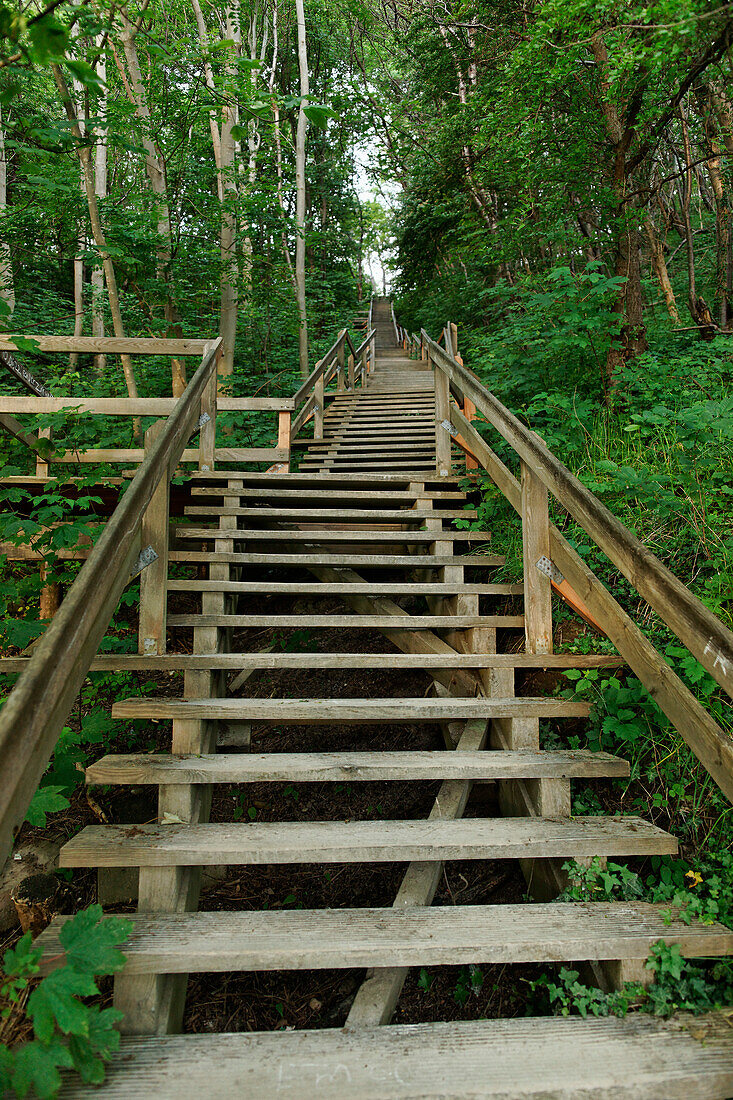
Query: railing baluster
[[536, 545], [154, 577]]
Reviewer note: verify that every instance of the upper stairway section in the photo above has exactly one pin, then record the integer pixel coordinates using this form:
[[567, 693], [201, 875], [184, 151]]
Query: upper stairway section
[[386, 425]]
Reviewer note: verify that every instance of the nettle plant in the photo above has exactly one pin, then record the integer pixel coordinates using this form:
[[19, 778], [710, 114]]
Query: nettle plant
[[69, 1033]]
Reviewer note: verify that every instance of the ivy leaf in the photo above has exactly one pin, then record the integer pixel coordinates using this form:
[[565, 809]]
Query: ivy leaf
[[90, 940], [55, 1002], [37, 1067], [46, 800]]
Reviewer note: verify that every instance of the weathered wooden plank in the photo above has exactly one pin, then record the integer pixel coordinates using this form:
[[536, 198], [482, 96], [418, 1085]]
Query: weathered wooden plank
[[326, 557], [435, 660], [394, 515], [353, 767], [364, 588], [128, 345], [414, 936], [362, 841], [364, 622], [238, 534], [131, 406], [348, 710], [637, 1058]]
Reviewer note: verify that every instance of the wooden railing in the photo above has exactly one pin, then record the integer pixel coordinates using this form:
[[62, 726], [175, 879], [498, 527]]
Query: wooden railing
[[344, 364], [696, 627], [134, 542], [136, 534], [204, 455]]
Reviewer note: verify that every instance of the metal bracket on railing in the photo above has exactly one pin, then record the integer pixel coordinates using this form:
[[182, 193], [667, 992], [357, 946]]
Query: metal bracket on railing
[[453, 432], [146, 558], [203, 419], [548, 567]]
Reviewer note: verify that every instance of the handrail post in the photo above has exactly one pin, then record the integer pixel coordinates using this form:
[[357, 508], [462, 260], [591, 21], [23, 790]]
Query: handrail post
[[454, 338], [442, 417], [469, 411], [318, 409], [42, 469], [207, 434], [351, 373], [154, 577], [536, 545], [283, 435], [340, 355]]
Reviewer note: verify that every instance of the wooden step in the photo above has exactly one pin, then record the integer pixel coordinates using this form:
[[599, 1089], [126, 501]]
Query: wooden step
[[451, 935], [363, 841], [365, 588], [639, 1057], [174, 662], [354, 448], [356, 622], [352, 467], [284, 479], [346, 495], [352, 767], [326, 557], [361, 711], [393, 515], [238, 534]]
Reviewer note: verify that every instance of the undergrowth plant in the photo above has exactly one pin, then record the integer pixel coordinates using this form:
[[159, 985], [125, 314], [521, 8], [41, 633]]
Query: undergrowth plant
[[69, 1033]]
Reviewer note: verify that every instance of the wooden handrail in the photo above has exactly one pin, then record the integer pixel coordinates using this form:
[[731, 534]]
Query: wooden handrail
[[301, 393], [323, 372], [706, 637], [134, 406], [39, 704], [125, 345], [710, 744]]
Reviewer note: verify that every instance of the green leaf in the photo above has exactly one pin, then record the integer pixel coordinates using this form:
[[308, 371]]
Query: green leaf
[[90, 941], [90, 1054], [46, 800], [85, 74], [318, 114], [55, 1003], [37, 1067]]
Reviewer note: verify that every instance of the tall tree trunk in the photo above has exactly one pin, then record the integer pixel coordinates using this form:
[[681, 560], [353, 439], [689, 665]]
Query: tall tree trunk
[[100, 190], [87, 165], [209, 77], [631, 339], [229, 276], [156, 172], [278, 145], [722, 208], [7, 285], [300, 192], [656, 249], [699, 310]]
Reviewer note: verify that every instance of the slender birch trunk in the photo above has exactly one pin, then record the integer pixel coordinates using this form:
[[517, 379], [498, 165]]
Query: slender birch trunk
[[155, 168], [100, 190], [7, 285], [87, 165], [278, 145], [300, 196]]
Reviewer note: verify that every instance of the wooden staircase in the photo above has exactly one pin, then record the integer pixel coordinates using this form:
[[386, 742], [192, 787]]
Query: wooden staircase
[[365, 532]]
